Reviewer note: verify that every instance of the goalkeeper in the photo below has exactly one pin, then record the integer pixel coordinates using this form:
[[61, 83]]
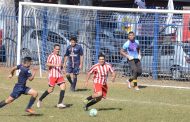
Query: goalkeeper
[[131, 51]]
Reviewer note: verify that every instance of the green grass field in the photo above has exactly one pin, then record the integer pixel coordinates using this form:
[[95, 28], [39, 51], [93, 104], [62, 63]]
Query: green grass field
[[150, 104]]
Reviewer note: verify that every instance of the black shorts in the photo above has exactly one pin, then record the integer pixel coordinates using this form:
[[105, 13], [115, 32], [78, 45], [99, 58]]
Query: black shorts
[[18, 90]]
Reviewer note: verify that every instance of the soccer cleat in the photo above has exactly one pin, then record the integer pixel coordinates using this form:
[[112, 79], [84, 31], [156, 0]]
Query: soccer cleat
[[72, 89], [85, 101], [29, 110], [39, 104], [85, 108], [61, 105], [129, 84], [137, 88]]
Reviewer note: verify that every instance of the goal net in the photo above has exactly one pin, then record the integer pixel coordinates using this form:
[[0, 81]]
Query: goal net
[[162, 34]]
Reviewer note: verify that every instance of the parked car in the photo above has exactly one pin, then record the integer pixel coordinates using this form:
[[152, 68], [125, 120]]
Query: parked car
[[109, 44], [29, 42], [173, 59]]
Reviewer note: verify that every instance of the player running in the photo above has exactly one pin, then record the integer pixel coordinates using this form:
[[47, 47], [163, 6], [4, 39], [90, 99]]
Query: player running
[[54, 62], [73, 61], [131, 50], [100, 71], [20, 87]]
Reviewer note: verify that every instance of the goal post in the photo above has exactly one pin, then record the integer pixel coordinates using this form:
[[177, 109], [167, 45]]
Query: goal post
[[102, 29]]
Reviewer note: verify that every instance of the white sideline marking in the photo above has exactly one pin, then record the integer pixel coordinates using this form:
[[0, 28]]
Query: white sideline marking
[[120, 100], [162, 86], [159, 86]]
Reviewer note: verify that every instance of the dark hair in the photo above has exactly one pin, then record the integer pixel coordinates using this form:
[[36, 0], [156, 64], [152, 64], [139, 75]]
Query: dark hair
[[55, 45], [73, 38], [131, 32], [27, 59], [101, 55]]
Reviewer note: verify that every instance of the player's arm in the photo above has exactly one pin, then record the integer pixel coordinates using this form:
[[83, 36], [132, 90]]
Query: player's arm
[[124, 53], [139, 52], [65, 61], [92, 70], [49, 60], [53, 65], [81, 57], [81, 61], [112, 73], [66, 57], [12, 71], [87, 78], [33, 74], [113, 76]]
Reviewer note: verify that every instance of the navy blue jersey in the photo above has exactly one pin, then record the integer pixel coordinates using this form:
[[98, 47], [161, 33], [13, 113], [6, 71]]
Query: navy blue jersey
[[74, 54], [24, 74]]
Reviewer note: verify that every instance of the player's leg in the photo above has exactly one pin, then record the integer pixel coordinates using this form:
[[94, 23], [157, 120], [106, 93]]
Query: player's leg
[[75, 73], [96, 97], [51, 83], [92, 102], [44, 95], [17, 91], [132, 67], [7, 101], [97, 93], [139, 68], [68, 76], [135, 74], [138, 73], [62, 86], [34, 95], [69, 70], [73, 86]]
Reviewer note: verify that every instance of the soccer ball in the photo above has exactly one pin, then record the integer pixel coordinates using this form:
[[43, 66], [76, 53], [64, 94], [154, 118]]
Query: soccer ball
[[93, 112]]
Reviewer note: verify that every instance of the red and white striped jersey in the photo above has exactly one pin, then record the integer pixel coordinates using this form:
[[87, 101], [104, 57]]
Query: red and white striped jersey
[[101, 72], [55, 72]]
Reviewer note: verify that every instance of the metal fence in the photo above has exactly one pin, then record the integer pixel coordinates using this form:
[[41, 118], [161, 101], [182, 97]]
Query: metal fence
[[165, 48], [8, 39]]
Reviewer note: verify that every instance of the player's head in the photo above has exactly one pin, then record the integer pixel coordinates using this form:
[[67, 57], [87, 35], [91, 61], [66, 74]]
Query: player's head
[[101, 58], [73, 41], [56, 49], [27, 61], [131, 35]]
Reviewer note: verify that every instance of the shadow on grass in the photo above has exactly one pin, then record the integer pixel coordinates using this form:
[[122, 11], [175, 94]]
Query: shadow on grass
[[81, 90], [33, 115], [109, 109], [9, 115], [142, 87]]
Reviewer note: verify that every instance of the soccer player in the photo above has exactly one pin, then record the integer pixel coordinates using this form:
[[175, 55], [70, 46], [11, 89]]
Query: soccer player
[[73, 61], [20, 87], [55, 65], [100, 71], [131, 50]]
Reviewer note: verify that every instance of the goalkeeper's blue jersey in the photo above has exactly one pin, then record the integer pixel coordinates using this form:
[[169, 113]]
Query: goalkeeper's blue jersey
[[131, 47]]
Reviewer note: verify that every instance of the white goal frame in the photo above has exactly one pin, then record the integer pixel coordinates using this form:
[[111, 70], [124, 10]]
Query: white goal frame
[[21, 4]]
